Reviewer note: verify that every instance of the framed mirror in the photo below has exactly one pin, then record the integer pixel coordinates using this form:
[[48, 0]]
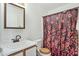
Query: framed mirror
[[14, 16]]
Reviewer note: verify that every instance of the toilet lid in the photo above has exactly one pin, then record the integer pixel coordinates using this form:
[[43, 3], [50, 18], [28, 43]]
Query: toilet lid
[[44, 50]]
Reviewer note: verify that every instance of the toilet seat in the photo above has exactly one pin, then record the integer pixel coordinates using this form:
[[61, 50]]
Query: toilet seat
[[44, 52]]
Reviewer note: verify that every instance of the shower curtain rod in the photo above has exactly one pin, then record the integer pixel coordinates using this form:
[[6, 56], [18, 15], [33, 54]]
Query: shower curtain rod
[[62, 11]]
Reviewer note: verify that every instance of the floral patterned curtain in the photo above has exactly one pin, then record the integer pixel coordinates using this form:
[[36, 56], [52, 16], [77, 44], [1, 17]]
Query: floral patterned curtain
[[60, 34]]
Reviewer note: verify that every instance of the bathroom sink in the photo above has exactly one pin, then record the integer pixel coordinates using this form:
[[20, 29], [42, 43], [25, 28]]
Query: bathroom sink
[[9, 48], [19, 44]]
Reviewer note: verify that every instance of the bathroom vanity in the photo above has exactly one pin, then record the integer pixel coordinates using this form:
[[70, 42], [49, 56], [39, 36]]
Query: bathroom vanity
[[23, 48]]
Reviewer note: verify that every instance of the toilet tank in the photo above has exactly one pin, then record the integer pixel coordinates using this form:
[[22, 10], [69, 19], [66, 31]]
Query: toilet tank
[[39, 43]]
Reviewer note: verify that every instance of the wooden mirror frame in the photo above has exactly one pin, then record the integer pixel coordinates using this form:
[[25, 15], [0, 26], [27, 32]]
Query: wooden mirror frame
[[5, 17]]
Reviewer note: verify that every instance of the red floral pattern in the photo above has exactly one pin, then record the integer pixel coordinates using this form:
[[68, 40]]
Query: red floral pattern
[[60, 34]]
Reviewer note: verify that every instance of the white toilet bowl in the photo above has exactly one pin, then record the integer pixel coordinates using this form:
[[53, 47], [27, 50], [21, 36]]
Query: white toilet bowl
[[39, 44]]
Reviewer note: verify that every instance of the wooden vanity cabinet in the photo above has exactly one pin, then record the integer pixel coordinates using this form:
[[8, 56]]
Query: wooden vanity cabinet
[[18, 53], [30, 51]]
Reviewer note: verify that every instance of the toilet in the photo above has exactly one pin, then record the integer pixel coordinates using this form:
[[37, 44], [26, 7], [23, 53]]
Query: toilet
[[41, 51]]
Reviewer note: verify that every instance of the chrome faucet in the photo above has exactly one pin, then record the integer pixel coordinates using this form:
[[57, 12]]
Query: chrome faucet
[[16, 39]]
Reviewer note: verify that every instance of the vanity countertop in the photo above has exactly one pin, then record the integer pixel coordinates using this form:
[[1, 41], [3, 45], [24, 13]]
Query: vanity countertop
[[9, 48]]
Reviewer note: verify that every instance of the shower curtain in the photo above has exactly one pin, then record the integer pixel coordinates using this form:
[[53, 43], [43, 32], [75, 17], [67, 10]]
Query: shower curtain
[[60, 34]]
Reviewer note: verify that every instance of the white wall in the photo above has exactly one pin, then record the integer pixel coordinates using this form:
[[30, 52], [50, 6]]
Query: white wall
[[0, 21], [33, 25], [34, 19]]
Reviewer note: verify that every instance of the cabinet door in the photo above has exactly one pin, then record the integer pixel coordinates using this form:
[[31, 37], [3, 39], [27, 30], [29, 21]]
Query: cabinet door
[[17, 54], [31, 52]]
